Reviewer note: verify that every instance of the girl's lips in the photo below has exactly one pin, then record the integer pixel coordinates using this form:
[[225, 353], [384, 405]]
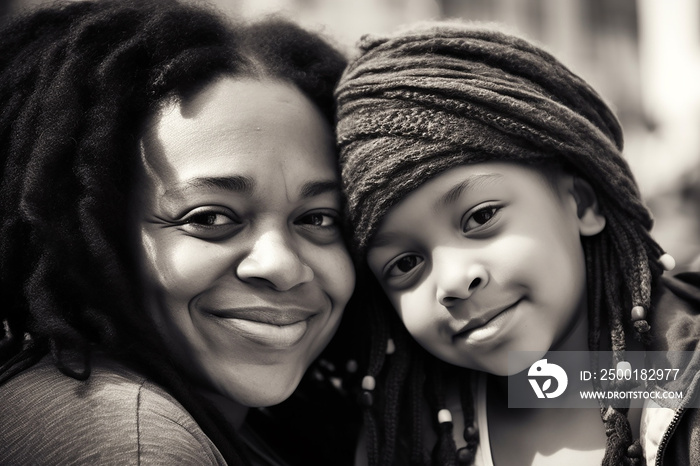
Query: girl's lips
[[483, 329]]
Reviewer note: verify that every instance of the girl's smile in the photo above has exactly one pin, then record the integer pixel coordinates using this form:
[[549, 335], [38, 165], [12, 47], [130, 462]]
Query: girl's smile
[[481, 330], [485, 259]]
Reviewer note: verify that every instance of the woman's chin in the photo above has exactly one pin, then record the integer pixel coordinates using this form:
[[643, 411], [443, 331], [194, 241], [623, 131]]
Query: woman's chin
[[262, 390]]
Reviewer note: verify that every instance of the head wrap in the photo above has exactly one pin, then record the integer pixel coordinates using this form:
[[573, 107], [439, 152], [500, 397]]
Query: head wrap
[[427, 99]]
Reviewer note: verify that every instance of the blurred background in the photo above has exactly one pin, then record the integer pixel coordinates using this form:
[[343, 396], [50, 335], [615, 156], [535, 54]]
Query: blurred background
[[643, 56]]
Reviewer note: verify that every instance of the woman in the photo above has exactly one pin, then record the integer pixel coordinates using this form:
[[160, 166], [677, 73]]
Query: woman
[[171, 248]]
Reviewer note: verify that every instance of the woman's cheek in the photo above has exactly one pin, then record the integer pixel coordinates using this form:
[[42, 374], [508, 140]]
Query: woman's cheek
[[334, 269], [182, 265]]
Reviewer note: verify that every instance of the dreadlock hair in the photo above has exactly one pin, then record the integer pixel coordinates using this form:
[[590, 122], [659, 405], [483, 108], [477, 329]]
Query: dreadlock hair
[[417, 103], [78, 81]]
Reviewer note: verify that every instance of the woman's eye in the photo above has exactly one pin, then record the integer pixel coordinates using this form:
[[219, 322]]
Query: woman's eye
[[322, 227], [209, 219], [318, 219], [210, 224], [404, 265], [480, 217]]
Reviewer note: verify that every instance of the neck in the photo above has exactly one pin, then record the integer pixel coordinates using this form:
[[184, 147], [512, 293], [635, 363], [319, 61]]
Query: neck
[[233, 412]]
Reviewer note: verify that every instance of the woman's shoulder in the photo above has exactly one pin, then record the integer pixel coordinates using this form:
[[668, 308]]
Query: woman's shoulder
[[115, 416]]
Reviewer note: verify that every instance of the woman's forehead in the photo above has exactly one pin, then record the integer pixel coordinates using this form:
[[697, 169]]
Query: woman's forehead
[[255, 131]]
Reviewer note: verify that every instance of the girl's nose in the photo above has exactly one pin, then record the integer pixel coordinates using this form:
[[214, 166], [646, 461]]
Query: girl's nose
[[458, 276], [273, 261]]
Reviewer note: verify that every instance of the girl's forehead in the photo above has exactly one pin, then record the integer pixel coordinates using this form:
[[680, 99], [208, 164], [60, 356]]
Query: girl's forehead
[[458, 189], [445, 188]]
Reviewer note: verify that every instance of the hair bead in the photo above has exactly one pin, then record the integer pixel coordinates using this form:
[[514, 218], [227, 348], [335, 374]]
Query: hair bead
[[317, 375], [444, 415], [390, 346], [470, 433], [623, 366], [667, 262], [642, 326], [638, 313], [327, 365], [366, 399], [465, 455], [351, 366]]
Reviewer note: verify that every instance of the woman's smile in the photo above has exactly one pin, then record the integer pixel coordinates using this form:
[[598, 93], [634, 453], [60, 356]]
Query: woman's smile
[[266, 334], [245, 263], [270, 328]]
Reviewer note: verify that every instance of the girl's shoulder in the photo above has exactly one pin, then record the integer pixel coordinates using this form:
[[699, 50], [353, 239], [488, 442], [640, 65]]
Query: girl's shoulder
[[675, 322], [115, 416]]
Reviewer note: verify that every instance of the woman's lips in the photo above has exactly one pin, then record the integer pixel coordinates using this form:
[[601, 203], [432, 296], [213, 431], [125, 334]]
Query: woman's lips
[[275, 336], [275, 328]]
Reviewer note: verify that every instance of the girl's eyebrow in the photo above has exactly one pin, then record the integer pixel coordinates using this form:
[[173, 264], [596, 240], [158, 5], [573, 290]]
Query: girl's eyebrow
[[382, 239], [469, 183]]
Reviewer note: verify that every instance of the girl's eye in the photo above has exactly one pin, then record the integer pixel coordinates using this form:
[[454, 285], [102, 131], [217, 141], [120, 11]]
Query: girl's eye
[[480, 217], [404, 265]]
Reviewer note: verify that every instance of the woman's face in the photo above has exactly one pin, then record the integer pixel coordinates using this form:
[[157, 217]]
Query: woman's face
[[239, 240]]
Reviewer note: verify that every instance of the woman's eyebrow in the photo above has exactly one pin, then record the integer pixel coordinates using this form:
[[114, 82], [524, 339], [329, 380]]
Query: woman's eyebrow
[[316, 188], [470, 182], [237, 183]]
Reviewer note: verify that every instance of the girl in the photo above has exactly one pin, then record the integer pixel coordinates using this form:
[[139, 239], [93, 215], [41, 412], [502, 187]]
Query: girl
[[491, 203], [170, 251]]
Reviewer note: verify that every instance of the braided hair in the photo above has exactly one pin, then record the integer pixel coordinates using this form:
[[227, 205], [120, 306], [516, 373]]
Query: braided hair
[[78, 81], [415, 104]]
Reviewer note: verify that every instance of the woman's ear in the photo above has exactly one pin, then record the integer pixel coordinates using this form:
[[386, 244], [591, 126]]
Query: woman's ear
[[590, 220]]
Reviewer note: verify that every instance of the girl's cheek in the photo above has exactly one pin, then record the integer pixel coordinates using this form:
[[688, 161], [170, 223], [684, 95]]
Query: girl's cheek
[[415, 310]]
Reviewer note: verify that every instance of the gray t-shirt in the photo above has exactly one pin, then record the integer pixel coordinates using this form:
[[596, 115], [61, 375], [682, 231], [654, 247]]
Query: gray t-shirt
[[116, 417]]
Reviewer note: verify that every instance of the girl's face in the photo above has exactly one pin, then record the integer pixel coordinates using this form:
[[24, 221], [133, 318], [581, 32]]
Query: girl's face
[[245, 269], [486, 259]]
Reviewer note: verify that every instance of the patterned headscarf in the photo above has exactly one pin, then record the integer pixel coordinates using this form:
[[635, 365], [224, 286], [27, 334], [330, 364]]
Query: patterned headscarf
[[446, 94]]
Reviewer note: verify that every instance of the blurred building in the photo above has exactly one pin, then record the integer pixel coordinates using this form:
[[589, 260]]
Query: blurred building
[[643, 56]]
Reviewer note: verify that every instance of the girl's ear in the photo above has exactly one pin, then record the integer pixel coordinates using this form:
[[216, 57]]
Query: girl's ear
[[590, 220]]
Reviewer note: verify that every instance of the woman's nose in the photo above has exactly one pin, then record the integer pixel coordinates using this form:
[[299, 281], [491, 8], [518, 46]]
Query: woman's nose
[[273, 261], [458, 276]]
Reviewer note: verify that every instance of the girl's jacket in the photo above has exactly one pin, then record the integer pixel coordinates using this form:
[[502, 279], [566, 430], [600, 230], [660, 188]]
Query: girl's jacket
[[670, 428]]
